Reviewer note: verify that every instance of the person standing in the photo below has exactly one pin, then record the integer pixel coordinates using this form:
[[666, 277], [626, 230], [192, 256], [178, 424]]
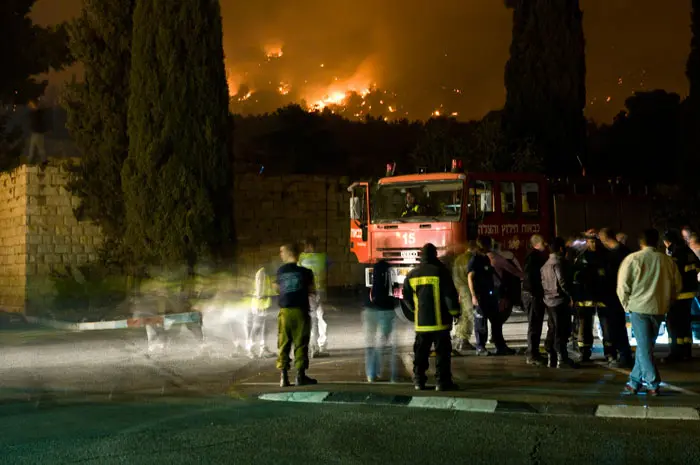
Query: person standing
[[317, 262], [557, 297], [378, 320], [429, 292], [533, 298], [295, 285], [482, 287], [647, 283], [679, 319], [256, 318], [621, 353], [465, 325]]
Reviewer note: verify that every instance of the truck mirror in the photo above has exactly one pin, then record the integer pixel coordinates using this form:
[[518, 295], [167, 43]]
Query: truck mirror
[[355, 208]]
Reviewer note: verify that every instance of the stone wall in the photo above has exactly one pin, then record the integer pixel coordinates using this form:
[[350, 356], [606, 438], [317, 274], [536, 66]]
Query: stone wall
[[272, 210], [13, 239]]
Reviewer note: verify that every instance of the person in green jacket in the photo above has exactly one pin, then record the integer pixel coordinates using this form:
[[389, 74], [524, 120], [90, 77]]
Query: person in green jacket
[[317, 262]]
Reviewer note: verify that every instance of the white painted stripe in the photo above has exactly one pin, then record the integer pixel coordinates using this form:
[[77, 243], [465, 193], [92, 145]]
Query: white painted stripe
[[175, 319], [354, 383], [455, 403], [643, 412], [305, 397], [670, 387]]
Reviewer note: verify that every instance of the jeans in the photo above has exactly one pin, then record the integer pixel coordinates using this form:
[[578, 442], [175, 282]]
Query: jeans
[[558, 330], [535, 308], [646, 329], [379, 322]]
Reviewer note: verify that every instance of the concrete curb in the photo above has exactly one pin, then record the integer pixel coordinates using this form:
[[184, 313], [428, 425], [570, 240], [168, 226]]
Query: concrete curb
[[165, 320], [487, 405]]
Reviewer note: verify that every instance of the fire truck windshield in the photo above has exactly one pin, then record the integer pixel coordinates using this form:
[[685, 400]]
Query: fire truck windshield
[[418, 202]]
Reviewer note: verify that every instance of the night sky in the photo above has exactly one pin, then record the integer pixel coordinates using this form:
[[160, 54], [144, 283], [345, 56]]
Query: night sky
[[449, 52]]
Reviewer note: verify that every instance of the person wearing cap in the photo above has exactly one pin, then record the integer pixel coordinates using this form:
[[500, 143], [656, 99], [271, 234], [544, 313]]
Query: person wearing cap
[[429, 292], [679, 317]]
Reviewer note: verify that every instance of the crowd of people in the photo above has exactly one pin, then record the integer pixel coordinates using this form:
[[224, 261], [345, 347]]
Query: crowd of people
[[567, 281]]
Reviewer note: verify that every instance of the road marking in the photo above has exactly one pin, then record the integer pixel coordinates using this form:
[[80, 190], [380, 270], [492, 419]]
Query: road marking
[[362, 383], [306, 397], [644, 412], [666, 385], [453, 403]]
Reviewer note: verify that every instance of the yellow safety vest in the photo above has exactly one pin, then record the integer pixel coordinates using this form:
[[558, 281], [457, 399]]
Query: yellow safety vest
[[316, 262], [262, 290]]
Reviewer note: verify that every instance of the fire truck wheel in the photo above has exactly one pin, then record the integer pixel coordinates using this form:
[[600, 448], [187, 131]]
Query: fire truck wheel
[[403, 313]]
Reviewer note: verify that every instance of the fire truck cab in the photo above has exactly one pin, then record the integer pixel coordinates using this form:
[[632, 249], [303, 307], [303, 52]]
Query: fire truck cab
[[395, 218]]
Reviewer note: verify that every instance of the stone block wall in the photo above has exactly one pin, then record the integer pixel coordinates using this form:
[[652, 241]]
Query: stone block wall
[[13, 239], [272, 210], [40, 233]]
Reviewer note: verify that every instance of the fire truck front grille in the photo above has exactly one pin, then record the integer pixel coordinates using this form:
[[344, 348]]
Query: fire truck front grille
[[399, 254]]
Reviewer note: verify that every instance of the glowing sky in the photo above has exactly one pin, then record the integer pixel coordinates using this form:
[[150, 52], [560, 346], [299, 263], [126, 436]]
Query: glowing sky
[[422, 50]]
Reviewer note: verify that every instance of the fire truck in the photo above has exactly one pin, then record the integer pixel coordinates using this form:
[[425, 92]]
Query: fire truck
[[396, 216]]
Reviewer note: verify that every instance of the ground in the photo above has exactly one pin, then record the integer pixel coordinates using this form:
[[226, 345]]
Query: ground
[[99, 397]]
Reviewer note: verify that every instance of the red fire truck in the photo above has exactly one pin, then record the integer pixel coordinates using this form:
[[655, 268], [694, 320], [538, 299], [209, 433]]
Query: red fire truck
[[393, 219]]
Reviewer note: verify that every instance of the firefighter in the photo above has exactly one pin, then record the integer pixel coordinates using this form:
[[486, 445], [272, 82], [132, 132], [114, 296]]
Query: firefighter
[[621, 354], [295, 285], [465, 325], [255, 320], [429, 292], [589, 282], [679, 316], [412, 208], [317, 262]]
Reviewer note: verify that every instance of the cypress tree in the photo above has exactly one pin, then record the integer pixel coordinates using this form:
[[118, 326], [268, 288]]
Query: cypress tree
[[545, 80], [177, 176], [692, 70], [100, 38]]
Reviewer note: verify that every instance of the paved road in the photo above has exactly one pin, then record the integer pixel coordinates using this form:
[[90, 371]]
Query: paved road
[[213, 431]]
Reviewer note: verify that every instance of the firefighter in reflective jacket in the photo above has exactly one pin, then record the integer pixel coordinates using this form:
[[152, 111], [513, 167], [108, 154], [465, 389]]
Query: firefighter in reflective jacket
[[412, 208], [430, 293], [256, 318], [589, 284], [679, 317]]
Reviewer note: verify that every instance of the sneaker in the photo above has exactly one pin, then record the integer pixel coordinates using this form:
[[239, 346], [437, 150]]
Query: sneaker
[[630, 390], [567, 363], [482, 352], [535, 361], [419, 386], [371, 379], [504, 351], [553, 361], [653, 392], [265, 353]]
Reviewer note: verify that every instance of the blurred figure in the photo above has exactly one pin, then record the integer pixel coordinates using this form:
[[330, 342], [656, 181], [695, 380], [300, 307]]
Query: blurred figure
[[481, 276], [465, 325], [255, 319], [317, 262], [679, 316], [295, 285], [648, 283], [621, 353], [558, 299], [38, 128], [589, 282], [694, 244], [378, 320], [412, 207], [533, 298], [429, 292]]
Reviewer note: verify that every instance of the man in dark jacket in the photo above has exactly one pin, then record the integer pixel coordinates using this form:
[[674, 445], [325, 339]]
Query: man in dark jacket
[[430, 293], [679, 317], [621, 353], [533, 296], [557, 297]]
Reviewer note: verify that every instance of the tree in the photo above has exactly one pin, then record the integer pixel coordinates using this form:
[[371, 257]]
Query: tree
[[100, 39], [692, 70], [28, 50], [545, 80], [177, 175]]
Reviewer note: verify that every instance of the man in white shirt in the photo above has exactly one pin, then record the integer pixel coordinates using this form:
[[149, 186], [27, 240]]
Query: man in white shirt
[[648, 281]]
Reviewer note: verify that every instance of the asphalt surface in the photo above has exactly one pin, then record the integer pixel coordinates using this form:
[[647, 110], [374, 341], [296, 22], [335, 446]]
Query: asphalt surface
[[213, 431]]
